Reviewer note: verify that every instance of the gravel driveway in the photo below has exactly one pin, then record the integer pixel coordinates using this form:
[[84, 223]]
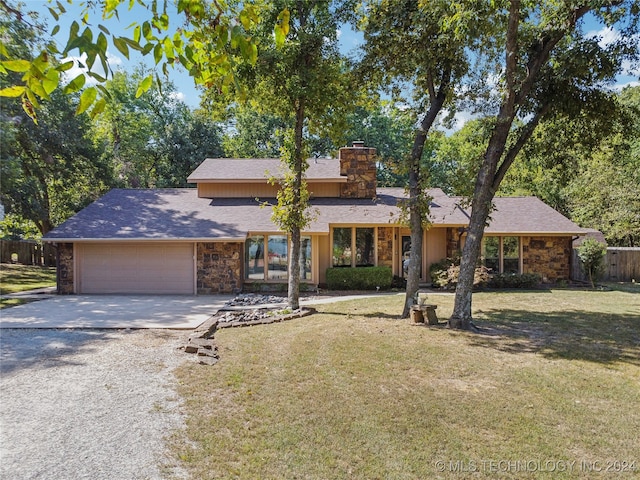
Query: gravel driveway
[[94, 404]]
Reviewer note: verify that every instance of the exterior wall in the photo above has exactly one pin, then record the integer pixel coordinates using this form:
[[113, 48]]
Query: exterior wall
[[385, 247], [261, 190], [65, 278], [219, 267], [324, 257], [435, 248], [359, 166], [549, 257]]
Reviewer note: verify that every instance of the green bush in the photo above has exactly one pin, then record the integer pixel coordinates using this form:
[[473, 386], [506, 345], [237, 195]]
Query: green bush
[[514, 280], [360, 278], [591, 254]]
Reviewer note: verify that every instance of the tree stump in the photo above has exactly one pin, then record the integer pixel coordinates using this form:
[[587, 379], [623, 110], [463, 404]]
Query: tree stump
[[416, 314], [430, 310]]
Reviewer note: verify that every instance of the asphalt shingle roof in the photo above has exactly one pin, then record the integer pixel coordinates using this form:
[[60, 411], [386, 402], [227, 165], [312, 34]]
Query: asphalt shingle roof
[[177, 214], [253, 170]]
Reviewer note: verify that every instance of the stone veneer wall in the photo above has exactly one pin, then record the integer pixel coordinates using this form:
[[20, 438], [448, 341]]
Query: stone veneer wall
[[65, 268], [359, 166], [385, 247], [219, 268], [549, 257]]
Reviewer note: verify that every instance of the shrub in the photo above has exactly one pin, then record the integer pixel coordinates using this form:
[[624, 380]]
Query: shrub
[[591, 254], [514, 280], [359, 278], [445, 273]]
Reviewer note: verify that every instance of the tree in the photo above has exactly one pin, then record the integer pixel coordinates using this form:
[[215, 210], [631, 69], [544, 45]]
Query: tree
[[303, 82], [253, 134], [425, 46], [213, 36], [51, 170], [549, 67], [389, 129], [615, 164], [153, 140], [591, 254]]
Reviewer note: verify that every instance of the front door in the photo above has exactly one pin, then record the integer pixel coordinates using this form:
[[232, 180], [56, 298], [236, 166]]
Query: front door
[[406, 251]]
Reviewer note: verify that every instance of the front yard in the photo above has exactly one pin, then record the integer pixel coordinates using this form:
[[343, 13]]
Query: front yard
[[19, 278], [550, 389]]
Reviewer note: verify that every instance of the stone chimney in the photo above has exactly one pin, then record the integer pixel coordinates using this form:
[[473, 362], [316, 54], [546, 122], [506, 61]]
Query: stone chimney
[[358, 164]]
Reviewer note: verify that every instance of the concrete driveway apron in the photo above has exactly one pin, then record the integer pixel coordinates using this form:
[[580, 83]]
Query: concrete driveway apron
[[114, 311]]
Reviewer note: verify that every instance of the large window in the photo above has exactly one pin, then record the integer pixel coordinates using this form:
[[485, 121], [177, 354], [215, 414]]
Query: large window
[[254, 258], [510, 255], [342, 247], [277, 257], [501, 254], [364, 247], [274, 263], [353, 247]]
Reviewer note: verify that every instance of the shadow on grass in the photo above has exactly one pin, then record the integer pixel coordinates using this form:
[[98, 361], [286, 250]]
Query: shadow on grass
[[570, 334]]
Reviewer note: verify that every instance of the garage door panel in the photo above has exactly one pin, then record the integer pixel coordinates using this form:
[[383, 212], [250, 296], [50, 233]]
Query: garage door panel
[[140, 268]]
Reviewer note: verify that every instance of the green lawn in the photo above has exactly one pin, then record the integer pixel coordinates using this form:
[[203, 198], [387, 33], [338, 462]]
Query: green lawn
[[18, 278], [353, 392]]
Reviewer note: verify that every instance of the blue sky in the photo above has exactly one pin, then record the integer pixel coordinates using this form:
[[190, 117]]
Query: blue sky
[[349, 41]]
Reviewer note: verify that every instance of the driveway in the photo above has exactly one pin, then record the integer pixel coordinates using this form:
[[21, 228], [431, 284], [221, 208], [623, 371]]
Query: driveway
[[114, 311]]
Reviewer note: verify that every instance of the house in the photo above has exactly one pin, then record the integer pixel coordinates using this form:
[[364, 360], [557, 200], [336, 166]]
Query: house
[[219, 238]]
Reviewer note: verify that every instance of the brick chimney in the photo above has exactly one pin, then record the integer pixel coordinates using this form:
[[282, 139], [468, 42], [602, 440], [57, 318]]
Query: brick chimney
[[358, 164]]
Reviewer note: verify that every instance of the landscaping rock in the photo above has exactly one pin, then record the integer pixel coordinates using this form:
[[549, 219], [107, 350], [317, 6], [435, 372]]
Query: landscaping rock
[[243, 311]]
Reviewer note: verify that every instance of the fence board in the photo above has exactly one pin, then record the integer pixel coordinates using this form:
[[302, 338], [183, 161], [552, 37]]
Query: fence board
[[27, 252], [620, 265]]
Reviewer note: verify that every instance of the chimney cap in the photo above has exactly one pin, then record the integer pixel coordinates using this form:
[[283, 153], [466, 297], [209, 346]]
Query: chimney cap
[[358, 144]]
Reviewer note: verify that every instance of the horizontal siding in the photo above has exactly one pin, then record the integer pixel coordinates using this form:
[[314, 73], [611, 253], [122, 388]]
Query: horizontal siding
[[260, 190]]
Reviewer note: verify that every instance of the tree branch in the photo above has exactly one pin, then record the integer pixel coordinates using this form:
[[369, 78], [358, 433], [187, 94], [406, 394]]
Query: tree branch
[[512, 153]]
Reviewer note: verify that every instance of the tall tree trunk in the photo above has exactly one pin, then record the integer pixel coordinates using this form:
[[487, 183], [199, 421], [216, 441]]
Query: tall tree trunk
[[496, 162], [415, 222], [293, 287], [418, 203]]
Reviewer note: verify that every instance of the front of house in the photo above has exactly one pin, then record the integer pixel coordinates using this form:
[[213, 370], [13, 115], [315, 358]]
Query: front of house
[[219, 237]]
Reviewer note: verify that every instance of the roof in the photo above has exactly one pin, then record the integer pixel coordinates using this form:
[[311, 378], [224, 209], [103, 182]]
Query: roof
[[257, 169], [528, 215], [179, 214]]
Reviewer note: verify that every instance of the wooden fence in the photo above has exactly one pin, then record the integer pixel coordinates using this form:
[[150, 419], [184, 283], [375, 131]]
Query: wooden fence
[[620, 265], [27, 252]]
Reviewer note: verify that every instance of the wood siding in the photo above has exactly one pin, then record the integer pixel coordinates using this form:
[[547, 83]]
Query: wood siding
[[260, 190]]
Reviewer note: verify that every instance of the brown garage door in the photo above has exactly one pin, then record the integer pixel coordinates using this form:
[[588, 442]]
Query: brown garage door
[[136, 268]]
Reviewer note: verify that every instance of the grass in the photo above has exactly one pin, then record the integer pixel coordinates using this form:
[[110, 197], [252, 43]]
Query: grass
[[19, 278], [353, 392]]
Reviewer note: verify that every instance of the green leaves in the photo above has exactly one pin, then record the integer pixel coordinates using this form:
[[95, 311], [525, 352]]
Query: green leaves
[[13, 91], [86, 99], [144, 85], [16, 65], [281, 28]]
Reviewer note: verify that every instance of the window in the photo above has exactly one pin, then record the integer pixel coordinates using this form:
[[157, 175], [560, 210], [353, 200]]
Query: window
[[254, 258], [277, 259], [305, 258], [510, 255], [353, 247], [342, 247], [491, 253], [501, 254], [364, 247]]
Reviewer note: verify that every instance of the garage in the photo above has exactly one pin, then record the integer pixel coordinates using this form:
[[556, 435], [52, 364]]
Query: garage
[[140, 268]]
